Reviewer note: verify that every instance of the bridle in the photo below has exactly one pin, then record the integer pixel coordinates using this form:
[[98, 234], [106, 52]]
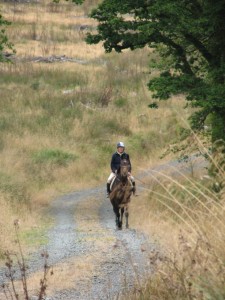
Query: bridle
[[124, 169]]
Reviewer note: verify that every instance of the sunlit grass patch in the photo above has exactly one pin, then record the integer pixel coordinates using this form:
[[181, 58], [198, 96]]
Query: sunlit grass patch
[[34, 237]]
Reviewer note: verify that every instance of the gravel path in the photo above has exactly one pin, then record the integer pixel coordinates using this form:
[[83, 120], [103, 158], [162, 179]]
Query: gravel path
[[119, 262], [93, 259]]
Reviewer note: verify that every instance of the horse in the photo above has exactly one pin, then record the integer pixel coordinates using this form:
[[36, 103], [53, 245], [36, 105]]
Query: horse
[[121, 193]]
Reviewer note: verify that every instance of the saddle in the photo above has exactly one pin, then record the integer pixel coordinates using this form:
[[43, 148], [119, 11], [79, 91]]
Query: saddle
[[113, 180]]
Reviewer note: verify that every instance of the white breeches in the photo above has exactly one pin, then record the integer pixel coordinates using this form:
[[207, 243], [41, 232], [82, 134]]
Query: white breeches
[[112, 175]]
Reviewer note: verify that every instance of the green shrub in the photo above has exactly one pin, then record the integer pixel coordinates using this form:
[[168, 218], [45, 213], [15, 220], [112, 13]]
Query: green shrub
[[53, 156], [35, 85], [4, 124], [121, 102]]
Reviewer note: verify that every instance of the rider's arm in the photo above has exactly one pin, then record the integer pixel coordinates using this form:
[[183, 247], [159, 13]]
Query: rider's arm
[[128, 158], [113, 164]]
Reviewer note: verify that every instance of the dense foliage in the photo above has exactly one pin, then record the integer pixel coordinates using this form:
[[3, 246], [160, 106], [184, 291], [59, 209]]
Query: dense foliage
[[190, 36]]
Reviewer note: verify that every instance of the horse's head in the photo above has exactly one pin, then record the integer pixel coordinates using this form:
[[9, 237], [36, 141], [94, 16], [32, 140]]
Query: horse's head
[[124, 168]]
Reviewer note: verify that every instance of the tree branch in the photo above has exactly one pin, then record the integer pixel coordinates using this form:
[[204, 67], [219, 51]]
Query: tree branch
[[199, 46]]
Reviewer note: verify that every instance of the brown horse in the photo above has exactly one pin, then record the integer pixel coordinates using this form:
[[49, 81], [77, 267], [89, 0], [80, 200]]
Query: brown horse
[[121, 193]]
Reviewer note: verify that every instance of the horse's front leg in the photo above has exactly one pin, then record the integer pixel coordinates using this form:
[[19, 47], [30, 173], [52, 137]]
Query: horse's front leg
[[127, 216], [117, 213], [121, 216]]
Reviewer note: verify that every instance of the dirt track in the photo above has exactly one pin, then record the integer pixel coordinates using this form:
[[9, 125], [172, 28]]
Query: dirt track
[[117, 259], [91, 258]]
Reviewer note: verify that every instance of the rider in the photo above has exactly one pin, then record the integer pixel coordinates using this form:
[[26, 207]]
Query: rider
[[115, 165]]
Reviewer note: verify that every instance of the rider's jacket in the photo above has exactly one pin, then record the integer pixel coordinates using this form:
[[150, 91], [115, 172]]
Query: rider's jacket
[[116, 159]]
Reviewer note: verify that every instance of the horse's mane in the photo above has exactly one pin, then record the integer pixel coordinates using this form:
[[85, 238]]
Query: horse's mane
[[124, 162]]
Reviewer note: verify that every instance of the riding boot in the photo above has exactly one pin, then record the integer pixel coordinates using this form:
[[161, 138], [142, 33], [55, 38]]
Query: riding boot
[[134, 188], [108, 189]]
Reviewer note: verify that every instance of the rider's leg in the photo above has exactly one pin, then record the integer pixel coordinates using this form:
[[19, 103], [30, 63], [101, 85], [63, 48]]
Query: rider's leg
[[108, 188], [111, 176], [133, 184], [134, 187]]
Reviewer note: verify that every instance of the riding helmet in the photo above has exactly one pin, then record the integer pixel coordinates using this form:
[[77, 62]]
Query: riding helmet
[[120, 144]]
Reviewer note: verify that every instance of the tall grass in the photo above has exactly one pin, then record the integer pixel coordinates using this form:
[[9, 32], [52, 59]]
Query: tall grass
[[187, 216], [13, 288]]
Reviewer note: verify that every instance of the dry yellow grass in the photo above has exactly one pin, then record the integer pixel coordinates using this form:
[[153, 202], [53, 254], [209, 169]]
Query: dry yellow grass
[[6, 225], [186, 219], [74, 270], [84, 51]]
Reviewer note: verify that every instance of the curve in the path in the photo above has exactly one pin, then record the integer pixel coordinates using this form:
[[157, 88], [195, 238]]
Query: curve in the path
[[118, 266]]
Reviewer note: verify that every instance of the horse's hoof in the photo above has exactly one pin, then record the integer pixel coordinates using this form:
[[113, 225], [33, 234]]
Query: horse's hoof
[[119, 225]]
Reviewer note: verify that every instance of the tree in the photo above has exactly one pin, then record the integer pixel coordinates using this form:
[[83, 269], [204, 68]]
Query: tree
[[4, 43], [190, 37]]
